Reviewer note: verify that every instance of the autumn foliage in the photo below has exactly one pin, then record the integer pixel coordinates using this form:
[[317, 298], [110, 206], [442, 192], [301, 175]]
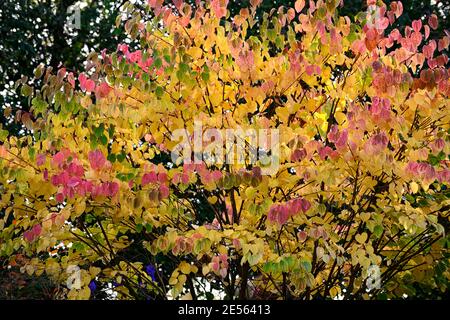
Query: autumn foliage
[[363, 116]]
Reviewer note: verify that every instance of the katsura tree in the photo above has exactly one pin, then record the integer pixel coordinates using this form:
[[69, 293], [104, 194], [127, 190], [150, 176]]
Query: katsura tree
[[334, 185]]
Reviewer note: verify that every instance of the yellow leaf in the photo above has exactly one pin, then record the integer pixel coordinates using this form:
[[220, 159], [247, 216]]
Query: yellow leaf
[[80, 207], [365, 216], [185, 267], [205, 270], [182, 279], [250, 192], [335, 291], [340, 117], [29, 269], [94, 271], [187, 296], [173, 281], [84, 294], [212, 199], [47, 224]]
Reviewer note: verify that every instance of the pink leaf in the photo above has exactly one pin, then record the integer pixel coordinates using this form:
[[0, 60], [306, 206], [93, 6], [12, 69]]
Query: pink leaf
[[112, 188], [36, 230], [163, 191], [302, 235], [96, 159], [223, 272], [178, 4], [103, 90], [90, 85], [310, 70], [29, 236], [399, 10], [73, 182], [433, 21], [383, 23], [162, 177], [82, 78], [219, 7], [290, 14], [149, 178], [306, 205], [255, 3], [155, 4], [59, 197], [417, 25], [40, 159], [185, 178], [71, 79], [427, 31], [299, 5]]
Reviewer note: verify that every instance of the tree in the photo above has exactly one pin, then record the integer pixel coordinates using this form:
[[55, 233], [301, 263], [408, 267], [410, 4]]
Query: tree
[[348, 199]]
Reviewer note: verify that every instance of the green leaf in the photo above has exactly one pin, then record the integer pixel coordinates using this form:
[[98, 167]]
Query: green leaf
[[98, 131], [26, 90], [433, 160], [148, 227], [121, 156], [39, 71], [284, 266], [181, 76], [145, 77], [271, 34], [205, 76], [290, 262], [121, 177], [32, 153], [268, 267], [3, 135], [103, 140], [39, 105], [111, 130], [410, 198], [157, 63], [306, 264], [78, 246], [352, 37], [89, 218], [184, 67]]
